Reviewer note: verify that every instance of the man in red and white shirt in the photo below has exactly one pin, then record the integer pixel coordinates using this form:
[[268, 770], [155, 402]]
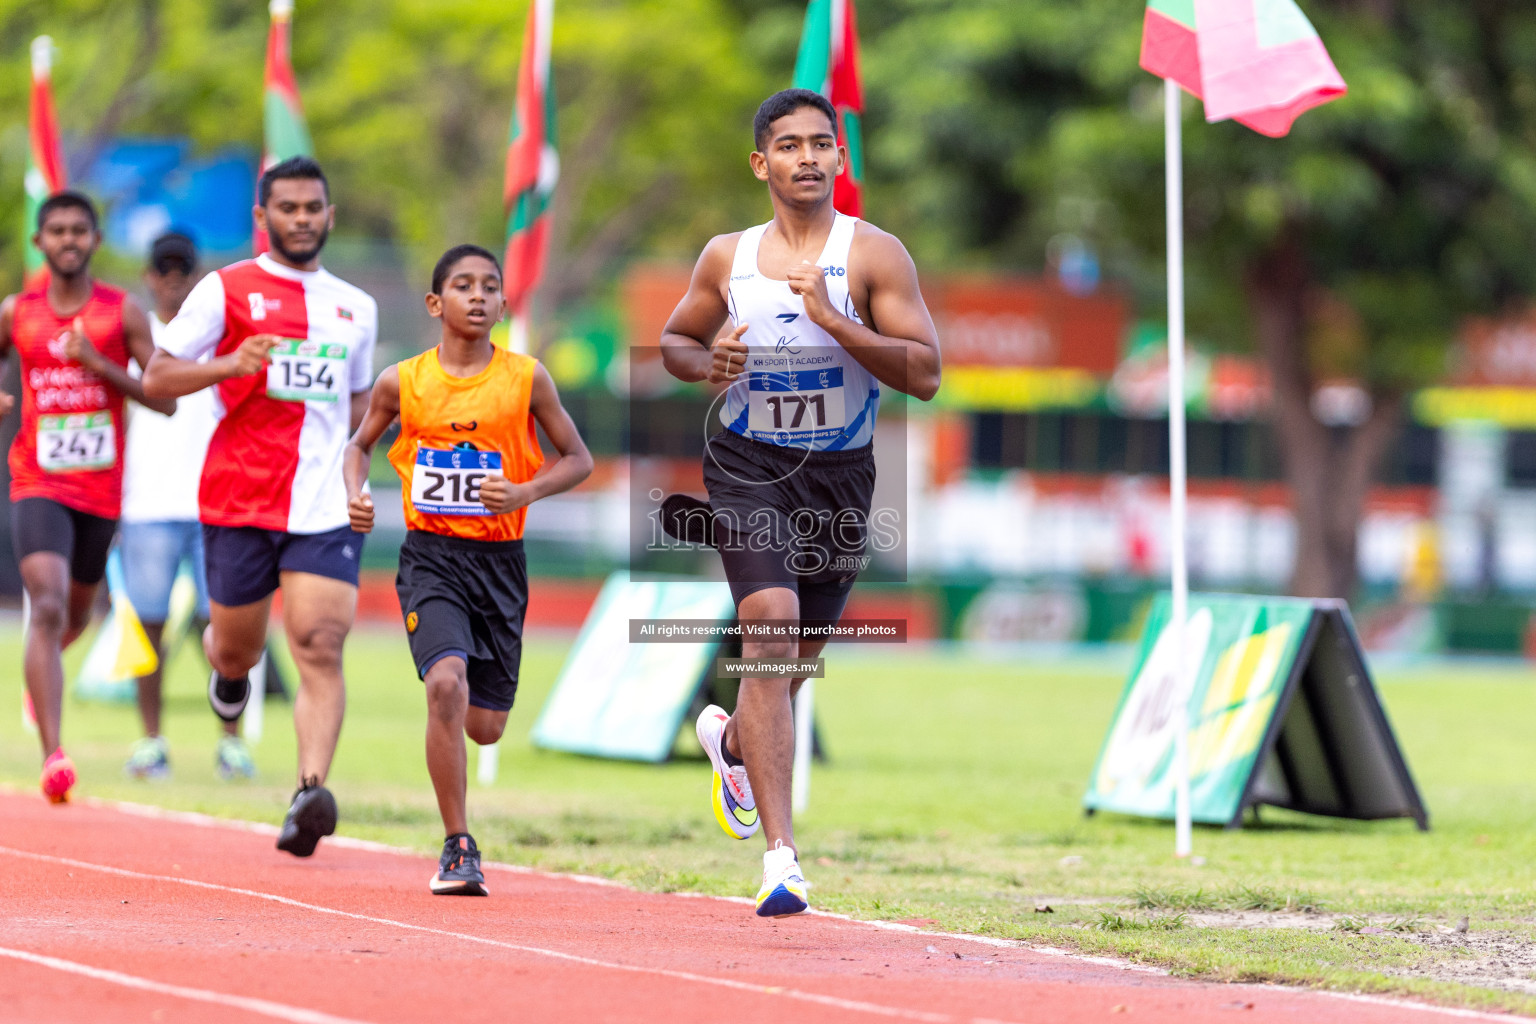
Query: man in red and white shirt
[[74, 336], [289, 349]]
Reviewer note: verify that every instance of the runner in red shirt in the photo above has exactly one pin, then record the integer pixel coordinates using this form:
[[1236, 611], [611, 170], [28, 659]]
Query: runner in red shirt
[[74, 336], [289, 349]]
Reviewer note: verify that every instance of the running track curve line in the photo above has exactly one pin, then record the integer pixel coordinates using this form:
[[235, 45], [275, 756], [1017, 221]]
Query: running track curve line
[[117, 916]]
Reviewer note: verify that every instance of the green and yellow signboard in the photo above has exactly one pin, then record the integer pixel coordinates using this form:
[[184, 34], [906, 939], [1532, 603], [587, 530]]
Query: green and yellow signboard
[[1281, 711]]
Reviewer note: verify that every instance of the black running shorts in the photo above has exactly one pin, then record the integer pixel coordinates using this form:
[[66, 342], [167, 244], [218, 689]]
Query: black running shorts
[[40, 524], [787, 517], [466, 598], [246, 563]]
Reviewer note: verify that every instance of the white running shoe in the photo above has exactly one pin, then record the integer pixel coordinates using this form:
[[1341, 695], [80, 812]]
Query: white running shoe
[[730, 795], [784, 889]]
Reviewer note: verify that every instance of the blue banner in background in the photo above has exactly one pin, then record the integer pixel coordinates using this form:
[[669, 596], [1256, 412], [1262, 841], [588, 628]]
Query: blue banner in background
[[149, 186]]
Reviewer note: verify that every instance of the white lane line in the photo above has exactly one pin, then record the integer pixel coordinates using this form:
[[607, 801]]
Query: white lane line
[[265, 1007], [703, 979]]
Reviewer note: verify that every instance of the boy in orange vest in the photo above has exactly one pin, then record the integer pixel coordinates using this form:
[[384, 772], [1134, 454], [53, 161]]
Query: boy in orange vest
[[470, 465]]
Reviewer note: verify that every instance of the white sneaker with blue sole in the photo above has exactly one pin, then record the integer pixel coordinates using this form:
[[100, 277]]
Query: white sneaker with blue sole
[[784, 888]]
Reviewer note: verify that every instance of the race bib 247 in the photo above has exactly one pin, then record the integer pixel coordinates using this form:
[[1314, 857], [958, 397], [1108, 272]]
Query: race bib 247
[[70, 443]]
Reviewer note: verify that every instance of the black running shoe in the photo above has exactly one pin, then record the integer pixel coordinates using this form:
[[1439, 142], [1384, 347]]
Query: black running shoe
[[458, 869], [311, 816], [688, 519], [229, 696]]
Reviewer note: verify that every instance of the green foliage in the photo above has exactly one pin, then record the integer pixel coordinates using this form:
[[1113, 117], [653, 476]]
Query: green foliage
[[992, 127], [1239, 897], [996, 126], [1113, 922], [409, 102]]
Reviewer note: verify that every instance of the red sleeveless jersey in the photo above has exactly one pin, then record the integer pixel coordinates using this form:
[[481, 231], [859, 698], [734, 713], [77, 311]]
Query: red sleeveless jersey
[[70, 445]]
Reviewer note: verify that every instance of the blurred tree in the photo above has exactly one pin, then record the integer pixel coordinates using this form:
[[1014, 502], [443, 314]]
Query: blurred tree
[[408, 102], [1351, 249]]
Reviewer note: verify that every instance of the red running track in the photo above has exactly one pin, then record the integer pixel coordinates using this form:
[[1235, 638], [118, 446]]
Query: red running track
[[119, 916]]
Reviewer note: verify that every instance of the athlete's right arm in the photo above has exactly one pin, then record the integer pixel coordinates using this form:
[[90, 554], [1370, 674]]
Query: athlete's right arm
[[179, 366], [383, 407], [168, 376], [7, 317], [691, 345]]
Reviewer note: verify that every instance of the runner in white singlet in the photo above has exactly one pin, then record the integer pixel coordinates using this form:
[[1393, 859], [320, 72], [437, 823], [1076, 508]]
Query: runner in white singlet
[[824, 310]]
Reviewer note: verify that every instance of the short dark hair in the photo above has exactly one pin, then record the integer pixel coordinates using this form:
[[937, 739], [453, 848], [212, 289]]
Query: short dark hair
[[173, 250], [452, 256], [782, 104], [68, 200], [293, 167]]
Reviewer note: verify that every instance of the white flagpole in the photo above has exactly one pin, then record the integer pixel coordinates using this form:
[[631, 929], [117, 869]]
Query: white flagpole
[[1172, 96], [487, 762], [805, 724], [253, 722]]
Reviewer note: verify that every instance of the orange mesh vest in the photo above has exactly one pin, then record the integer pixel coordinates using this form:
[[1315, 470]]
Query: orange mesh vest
[[455, 431]]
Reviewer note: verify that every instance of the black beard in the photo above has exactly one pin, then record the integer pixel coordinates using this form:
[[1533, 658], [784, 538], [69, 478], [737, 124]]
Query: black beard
[[301, 256]]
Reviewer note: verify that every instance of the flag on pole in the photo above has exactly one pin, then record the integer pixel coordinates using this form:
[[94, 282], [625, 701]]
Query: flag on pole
[[282, 113], [533, 169], [828, 63], [1258, 62], [45, 161], [1261, 63]]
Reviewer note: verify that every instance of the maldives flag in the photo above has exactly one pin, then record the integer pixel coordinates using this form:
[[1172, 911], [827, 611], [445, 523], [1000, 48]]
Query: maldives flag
[[828, 63], [45, 162], [283, 114], [533, 164], [1258, 62]]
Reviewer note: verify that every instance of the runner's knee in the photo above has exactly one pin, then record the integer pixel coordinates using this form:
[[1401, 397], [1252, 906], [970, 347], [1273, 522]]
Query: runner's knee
[[48, 614], [229, 660], [768, 648], [777, 605], [447, 689], [485, 729], [320, 644]]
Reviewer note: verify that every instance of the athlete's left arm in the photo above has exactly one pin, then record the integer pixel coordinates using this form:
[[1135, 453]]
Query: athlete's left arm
[[7, 318], [141, 346], [359, 408], [380, 412], [900, 346], [573, 465]]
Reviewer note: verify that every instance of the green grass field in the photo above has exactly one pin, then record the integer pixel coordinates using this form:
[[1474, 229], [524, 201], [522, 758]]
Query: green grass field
[[952, 797]]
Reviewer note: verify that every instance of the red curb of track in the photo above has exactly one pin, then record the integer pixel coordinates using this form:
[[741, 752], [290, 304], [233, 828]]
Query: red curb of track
[[116, 916]]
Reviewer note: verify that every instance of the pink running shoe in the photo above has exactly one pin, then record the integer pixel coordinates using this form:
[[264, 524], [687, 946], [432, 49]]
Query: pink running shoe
[[58, 776]]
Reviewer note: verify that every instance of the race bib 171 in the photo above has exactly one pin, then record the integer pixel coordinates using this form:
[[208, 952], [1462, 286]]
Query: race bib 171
[[307, 371], [82, 441], [447, 482], [796, 406]]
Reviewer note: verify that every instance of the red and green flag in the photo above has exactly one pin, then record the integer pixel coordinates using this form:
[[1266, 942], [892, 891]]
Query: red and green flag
[[1258, 62], [45, 160], [828, 63], [533, 166], [283, 115]]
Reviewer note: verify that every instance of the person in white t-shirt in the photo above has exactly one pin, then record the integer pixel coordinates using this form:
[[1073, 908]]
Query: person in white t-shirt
[[159, 529]]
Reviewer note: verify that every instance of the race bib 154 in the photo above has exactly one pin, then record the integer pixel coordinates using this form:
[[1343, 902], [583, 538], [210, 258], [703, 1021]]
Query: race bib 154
[[447, 482], [307, 371], [70, 443]]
